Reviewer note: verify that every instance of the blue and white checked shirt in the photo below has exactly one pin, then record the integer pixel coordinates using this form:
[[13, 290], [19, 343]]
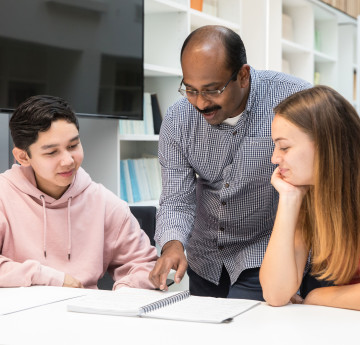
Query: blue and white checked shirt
[[217, 198]]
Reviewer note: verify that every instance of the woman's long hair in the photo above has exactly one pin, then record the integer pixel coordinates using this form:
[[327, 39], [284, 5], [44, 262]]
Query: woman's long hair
[[330, 214]]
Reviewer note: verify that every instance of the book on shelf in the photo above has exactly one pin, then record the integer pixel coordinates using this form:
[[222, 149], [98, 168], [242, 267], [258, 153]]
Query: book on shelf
[[134, 180], [210, 7], [140, 179], [126, 178], [123, 192], [157, 117], [354, 84], [148, 115], [145, 126], [287, 27], [196, 4], [317, 79], [179, 306], [317, 40], [152, 167], [353, 8]]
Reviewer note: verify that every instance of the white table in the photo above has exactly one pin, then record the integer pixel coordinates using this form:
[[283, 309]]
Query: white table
[[292, 324]]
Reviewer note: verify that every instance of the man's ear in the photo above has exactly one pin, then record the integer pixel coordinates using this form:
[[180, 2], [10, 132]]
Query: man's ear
[[244, 75], [21, 156]]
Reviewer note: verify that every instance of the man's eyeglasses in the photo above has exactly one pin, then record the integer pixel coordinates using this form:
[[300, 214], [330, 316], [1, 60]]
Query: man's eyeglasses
[[209, 94]]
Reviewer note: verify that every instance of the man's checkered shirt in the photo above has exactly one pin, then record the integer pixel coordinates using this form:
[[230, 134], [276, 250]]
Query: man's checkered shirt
[[217, 198]]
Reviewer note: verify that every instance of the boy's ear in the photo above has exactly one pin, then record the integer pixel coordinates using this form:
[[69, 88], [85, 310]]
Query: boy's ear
[[21, 156]]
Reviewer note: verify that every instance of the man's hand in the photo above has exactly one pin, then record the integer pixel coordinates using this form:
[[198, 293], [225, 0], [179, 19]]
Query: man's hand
[[70, 281], [172, 257]]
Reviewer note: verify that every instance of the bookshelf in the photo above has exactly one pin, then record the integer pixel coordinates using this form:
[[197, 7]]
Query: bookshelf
[[305, 38], [321, 47]]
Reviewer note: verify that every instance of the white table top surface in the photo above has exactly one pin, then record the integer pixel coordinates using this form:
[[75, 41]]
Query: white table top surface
[[292, 324]]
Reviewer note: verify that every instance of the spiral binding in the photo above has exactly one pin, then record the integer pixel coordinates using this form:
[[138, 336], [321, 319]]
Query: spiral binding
[[165, 302]]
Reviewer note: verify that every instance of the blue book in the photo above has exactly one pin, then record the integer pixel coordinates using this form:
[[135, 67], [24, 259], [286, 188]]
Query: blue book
[[129, 194], [134, 181], [123, 194]]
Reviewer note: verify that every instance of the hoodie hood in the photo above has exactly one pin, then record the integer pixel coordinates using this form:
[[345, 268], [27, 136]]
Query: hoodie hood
[[23, 179]]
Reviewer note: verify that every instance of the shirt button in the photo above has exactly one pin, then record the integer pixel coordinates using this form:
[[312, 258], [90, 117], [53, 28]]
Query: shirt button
[[223, 203], [222, 229], [235, 132], [227, 185], [221, 247]]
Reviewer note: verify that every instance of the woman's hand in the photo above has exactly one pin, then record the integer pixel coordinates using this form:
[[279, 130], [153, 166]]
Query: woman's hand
[[286, 188]]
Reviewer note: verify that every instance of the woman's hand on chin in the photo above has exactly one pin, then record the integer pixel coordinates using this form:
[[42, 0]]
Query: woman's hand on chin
[[285, 188]]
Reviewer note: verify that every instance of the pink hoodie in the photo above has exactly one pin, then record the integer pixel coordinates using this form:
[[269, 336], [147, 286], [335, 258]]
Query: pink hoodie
[[84, 233]]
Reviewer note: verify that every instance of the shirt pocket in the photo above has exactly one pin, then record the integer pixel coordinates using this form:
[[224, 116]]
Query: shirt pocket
[[255, 158]]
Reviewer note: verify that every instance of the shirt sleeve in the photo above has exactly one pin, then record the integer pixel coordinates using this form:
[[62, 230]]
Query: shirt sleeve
[[133, 257], [175, 218]]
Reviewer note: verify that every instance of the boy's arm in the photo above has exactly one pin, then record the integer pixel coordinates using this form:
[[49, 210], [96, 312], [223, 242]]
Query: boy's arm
[[27, 273], [30, 272], [133, 255]]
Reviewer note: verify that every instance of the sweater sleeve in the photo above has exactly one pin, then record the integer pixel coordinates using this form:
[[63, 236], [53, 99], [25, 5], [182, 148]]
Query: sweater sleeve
[[27, 273], [133, 256]]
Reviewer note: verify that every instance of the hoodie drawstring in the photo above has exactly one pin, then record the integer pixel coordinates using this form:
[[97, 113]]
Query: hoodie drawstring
[[45, 225], [42, 197], [69, 228]]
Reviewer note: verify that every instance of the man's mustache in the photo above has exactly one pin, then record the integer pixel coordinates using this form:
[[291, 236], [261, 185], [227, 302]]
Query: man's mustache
[[208, 110]]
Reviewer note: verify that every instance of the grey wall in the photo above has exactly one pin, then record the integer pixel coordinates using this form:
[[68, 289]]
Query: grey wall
[[4, 142]]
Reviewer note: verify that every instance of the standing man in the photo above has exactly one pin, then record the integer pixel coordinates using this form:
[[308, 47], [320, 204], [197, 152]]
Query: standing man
[[215, 152]]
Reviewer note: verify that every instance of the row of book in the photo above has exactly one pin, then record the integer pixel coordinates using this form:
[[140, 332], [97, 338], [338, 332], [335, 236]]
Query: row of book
[[351, 7], [140, 179], [151, 121]]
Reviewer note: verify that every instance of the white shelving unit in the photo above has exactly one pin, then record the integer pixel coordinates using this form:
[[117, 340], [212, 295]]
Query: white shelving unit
[[320, 46], [323, 45]]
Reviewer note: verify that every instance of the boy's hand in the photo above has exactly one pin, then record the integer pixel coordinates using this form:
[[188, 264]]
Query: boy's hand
[[70, 281]]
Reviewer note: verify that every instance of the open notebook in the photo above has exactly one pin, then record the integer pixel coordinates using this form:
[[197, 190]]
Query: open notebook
[[162, 305]]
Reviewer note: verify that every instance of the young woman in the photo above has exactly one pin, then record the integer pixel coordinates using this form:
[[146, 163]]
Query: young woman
[[57, 226], [317, 149]]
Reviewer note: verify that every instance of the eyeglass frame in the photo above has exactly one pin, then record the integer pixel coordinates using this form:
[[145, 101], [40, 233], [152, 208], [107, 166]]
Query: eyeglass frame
[[206, 94]]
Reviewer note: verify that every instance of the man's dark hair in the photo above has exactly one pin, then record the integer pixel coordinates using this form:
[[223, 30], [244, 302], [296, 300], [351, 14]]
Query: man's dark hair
[[233, 44], [36, 114]]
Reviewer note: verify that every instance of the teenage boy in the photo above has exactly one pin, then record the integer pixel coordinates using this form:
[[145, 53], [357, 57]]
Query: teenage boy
[[57, 226]]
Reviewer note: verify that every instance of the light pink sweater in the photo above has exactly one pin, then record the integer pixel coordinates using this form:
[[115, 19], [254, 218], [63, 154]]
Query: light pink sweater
[[84, 233]]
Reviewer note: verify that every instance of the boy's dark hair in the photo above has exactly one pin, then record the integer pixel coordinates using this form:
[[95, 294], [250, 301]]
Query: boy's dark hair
[[36, 114]]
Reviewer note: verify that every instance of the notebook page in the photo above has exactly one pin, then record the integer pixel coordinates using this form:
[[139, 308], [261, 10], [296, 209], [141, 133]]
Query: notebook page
[[21, 298], [124, 301], [204, 309]]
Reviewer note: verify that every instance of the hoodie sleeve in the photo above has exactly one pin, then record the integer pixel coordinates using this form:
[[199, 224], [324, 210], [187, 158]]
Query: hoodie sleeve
[[133, 256], [27, 273]]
